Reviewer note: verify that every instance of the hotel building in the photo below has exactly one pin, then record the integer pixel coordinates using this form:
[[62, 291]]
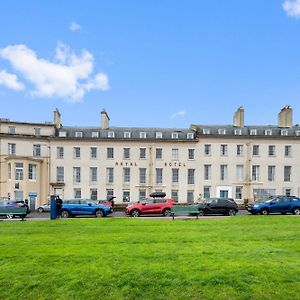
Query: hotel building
[[237, 161]]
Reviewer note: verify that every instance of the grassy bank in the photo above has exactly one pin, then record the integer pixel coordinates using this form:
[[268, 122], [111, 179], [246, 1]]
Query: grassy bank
[[249, 257]]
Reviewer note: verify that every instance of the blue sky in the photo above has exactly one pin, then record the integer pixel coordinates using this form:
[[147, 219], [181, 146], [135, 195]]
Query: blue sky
[[157, 63]]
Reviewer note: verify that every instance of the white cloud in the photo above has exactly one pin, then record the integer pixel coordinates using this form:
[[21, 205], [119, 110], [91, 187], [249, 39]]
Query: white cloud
[[74, 26], [10, 81], [180, 113], [292, 8], [68, 75]]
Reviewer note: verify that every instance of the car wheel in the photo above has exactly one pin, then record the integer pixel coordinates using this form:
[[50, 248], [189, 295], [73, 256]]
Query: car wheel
[[264, 212], [40, 209], [296, 211], [64, 214], [231, 212], [99, 213], [9, 216], [135, 213], [201, 212], [167, 212]]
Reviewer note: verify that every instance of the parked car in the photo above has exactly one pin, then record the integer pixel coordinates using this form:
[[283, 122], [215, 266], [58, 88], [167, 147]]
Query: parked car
[[150, 206], [44, 207], [10, 208], [75, 207], [224, 206], [277, 204]]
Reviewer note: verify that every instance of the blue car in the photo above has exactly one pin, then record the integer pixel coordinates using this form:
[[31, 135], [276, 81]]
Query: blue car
[[75, 207], [279, 204]]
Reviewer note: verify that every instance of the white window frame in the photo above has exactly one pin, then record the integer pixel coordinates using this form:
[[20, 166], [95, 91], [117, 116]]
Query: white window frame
[[78, 134], [284, 132], [190, 135], [95, 134], [62, 134], [221, 131], [110, 134], [127, 135], [158, 135], [268, 131], [206, 131], [253, 131], [143, 135], [238, 132], [174, 135]]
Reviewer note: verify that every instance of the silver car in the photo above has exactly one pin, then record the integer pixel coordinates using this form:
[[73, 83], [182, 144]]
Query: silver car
[[44, 207]]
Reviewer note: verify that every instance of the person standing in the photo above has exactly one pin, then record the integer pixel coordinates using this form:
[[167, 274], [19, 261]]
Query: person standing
[[58, 205]]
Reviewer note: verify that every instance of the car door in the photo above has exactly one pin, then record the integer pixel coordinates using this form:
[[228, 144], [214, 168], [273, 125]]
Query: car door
[[279, 205], [86, 207], [212, 206], [148, 207]]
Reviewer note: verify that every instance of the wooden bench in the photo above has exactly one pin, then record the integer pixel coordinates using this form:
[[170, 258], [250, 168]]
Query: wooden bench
[[184, 210]]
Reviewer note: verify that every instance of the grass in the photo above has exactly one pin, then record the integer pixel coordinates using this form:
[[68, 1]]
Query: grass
[[233, 258]]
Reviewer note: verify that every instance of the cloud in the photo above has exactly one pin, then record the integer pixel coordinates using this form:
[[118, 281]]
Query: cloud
[[10, 81], [68, 76], [292, 8], [74, 26], [180, 113]]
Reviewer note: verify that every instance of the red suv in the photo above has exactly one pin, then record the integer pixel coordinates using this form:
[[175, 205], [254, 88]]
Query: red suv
[[150, 206]]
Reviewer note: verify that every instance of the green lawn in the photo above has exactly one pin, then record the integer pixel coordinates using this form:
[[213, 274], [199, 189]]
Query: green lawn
[[252, 257]]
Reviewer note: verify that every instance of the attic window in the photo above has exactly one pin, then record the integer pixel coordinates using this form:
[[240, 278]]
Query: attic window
[[78, 134], [206, 131], [190, 135], [127, 135], [238, 131], [95, 134], [284, 132], [158, 135], [111, 134], [253, 131], [222, 131], [268, 132], [62, 134], [174, 135], [143, 135]]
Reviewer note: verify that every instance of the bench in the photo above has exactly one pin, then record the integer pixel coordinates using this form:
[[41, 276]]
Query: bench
[[184, 210]]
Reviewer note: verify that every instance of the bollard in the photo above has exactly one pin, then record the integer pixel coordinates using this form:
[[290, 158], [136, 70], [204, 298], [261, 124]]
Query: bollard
[[53, 211]]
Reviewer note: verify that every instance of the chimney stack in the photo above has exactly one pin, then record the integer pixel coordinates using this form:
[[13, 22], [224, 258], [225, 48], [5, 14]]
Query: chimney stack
[[238, 119], [285, 117], [57, 121], [104, 119]]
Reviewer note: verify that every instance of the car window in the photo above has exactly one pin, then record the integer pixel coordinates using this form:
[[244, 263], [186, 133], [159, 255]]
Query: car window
[[83, 201]]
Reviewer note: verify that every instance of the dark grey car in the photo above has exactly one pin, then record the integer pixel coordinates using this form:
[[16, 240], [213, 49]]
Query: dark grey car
[[217, 206]]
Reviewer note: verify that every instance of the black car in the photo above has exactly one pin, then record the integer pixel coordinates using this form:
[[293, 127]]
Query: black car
[[224, 206]]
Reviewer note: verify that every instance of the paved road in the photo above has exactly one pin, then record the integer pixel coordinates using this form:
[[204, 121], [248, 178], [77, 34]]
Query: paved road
[[120, 214]]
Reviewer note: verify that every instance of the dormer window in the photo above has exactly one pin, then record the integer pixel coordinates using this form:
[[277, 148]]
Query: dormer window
[[158, 135], [62, 134], [174, 135], [284, 132], [268, 132], [206, 131], [143, 135], [95, 134], [190, 135], [253, 131], [111, 134], [238, 131], [12, 129], [127, 135], [297, 132], [222, 131], [78, 134], [37, 131]]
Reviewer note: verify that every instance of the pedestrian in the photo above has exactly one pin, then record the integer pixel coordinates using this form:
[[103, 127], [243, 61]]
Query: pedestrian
[[58, 205], [111, 200]]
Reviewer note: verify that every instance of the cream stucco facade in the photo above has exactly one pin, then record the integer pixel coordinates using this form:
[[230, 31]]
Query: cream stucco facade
[[237, 161]]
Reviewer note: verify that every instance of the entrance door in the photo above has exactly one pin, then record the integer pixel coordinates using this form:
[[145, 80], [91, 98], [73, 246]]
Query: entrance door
[[32, 200], [223, 193]]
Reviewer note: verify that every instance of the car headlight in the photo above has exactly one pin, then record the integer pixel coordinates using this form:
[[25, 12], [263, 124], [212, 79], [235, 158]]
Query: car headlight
[[255, 205]]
